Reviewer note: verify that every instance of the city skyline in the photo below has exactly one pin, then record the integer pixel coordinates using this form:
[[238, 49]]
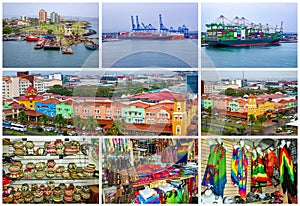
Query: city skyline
[[250, 75], [265, 13], [173, 14], [64, 9]]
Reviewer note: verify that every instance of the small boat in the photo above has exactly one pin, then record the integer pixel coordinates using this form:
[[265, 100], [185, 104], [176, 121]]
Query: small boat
[[40, 44], [32, 38], [90, 45], [52, 44]]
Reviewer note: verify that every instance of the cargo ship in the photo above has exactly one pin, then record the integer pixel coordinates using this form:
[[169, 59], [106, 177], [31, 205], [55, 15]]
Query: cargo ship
[[149, 36], [240, 33], [148, 32]]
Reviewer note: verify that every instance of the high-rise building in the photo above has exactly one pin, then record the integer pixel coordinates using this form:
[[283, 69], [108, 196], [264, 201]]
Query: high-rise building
[[42, 15], [54, 17], [192, 82]]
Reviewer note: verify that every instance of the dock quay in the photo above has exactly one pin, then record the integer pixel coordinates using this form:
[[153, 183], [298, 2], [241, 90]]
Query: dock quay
[[65, 47], [52, 44]]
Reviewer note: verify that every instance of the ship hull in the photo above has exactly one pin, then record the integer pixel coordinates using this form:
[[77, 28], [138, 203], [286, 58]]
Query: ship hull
[[148, 36], [243, 43]]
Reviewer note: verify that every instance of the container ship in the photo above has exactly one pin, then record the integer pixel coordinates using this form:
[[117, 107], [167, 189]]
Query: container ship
[[148, 32], [241, 33]]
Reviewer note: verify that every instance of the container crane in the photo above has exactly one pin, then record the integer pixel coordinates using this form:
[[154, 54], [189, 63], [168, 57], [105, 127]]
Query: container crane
[[132, 23], [138, 26], [161, 25]]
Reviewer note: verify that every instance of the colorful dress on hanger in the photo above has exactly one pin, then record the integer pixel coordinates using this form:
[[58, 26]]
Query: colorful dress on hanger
[[239, 171], [259, 175], [287, 178], [215, 173], [272, 167]]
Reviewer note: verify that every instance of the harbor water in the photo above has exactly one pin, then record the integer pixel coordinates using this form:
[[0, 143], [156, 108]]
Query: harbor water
[[21, 54], [282, 56], [150, 53]]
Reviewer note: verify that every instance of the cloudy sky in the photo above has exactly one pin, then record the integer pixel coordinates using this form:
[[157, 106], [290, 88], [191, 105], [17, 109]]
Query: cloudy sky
[[63, 9], [249, 75], [116, 16], [265, 13]]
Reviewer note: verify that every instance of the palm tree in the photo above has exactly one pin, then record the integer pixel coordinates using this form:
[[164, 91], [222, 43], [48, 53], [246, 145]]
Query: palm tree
[[44, 119], [22, 117], [252, 118], [60, 121], [91, 123], [116, 129], [78, 123]]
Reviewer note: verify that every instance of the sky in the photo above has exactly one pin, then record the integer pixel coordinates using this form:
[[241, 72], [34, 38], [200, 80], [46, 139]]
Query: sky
[[117, 16], [63, 9], [249, 75], [265, 13]]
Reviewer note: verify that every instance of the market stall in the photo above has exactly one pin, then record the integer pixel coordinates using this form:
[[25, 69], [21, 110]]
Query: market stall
[[52, 171], [150, 171], [260, 171]]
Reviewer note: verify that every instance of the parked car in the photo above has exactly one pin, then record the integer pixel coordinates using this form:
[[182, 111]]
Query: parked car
[[289, 131]]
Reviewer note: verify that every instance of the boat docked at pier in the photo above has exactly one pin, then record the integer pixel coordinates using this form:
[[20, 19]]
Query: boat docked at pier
[[40, 44], [32, 38], [239, 32]]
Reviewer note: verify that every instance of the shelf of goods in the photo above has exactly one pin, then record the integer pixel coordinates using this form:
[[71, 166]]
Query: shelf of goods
[[51, 171]]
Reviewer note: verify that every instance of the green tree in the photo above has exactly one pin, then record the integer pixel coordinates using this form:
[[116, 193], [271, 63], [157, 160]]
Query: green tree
[[116, 129], [44, 119], [241, 130], [59, 121], [261, 119], [209, 111], [91, 123], [252, 118], [230, 92], [7, 30], [22, 117], [78, 123]]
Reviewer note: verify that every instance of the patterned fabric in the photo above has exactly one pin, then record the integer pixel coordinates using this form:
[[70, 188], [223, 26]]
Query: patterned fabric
[[259, 175], [272, 167], [215, 173], [239, 171], [287, 178]]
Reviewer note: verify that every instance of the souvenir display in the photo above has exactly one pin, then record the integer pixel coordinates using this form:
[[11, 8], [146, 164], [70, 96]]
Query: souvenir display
[[150, 171], [263, 171], [54, 173]]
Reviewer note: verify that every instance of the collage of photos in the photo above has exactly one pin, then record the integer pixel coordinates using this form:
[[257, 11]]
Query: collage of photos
[[152, 114]]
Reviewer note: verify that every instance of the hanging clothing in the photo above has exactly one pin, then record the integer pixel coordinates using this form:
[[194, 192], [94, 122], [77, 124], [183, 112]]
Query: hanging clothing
[[287, 176], [215, 173], [272, 167], [259, 175], [239, 171]]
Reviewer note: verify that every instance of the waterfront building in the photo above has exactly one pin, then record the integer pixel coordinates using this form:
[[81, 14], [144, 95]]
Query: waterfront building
[[42, 15]]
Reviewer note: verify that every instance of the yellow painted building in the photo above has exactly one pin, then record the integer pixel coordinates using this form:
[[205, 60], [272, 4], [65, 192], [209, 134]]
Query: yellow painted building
[[30, 98], [260, 107]]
